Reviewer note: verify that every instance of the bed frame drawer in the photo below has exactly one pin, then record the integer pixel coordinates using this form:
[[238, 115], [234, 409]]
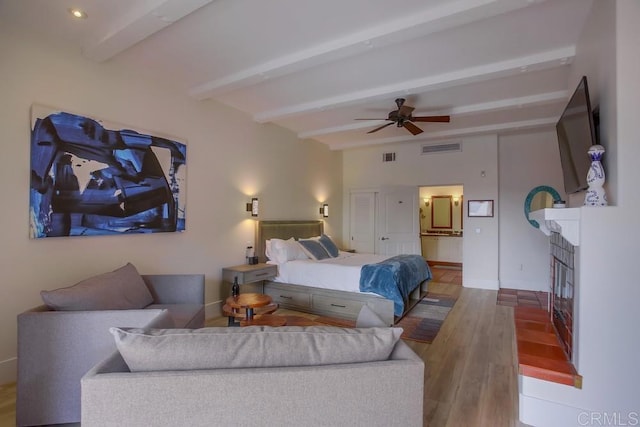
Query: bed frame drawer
[[340, 306], [287, 298], [326, 302]]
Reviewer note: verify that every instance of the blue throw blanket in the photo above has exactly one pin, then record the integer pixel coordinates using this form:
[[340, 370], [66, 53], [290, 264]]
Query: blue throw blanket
[[395, 278]]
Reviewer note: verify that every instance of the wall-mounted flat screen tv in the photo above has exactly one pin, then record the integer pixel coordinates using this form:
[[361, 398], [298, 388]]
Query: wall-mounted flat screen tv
[[576, 133]]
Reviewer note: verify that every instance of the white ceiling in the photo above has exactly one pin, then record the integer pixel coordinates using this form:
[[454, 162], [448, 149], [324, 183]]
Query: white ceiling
[[313, 66]]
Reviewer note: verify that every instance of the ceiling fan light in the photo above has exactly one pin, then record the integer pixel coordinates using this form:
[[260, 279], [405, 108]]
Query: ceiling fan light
[[78, 13]]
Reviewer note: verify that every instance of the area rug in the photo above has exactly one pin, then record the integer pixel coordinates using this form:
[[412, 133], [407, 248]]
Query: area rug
[[421, 324]]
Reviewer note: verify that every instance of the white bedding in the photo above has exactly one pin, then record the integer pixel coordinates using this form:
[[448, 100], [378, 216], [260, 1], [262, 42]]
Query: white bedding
[[340, 273]]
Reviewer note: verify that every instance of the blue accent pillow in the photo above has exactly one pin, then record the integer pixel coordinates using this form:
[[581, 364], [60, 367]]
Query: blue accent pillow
[[328, 244], [314, 249]]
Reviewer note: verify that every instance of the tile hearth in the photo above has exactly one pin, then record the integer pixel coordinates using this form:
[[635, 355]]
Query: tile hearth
[[520, 298], [540, 353]]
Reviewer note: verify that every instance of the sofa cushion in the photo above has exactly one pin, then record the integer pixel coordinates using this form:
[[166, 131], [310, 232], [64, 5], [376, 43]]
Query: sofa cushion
[[183, 315], [121, 289], [251, 347]]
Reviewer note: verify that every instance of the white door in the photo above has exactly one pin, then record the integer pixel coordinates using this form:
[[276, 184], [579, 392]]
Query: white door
[[362, 222], [397, 221]]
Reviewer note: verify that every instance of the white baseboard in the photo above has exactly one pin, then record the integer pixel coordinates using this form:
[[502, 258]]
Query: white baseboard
[[492, 285], [524, 285], [8, 370], [213, 310]]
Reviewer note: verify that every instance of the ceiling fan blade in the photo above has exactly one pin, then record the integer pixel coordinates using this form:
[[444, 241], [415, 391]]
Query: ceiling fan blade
[[412, 128], [443, 119], [381, 127], [370, 119], [405, 111]]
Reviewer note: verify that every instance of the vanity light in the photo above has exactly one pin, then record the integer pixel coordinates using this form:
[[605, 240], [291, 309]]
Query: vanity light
[[77, 13], [252, 207], [324, 210]]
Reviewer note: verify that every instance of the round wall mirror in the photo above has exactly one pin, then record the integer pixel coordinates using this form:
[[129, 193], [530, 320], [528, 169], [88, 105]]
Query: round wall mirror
[[539, 198]]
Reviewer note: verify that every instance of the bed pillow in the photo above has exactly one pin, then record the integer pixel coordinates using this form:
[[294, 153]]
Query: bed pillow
[[251, 347], [294, 251], [281, 251], [267, 249], [329, 245], [314, 249], [121, 289]]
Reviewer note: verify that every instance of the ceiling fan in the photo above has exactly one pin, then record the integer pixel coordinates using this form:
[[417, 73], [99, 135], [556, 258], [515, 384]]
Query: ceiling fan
[[402, 118]]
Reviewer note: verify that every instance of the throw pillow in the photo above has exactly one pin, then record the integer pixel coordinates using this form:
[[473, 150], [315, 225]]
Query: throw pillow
[[332, 248], [314, 249], [121, 289], [251, 347]]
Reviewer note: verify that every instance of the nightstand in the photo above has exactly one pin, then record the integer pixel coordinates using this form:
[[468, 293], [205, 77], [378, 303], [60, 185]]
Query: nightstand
[[251, 300], [250, 274]]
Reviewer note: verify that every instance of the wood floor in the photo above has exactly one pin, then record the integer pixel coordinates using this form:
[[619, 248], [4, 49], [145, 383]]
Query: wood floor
[[470, 368], [8, 405]]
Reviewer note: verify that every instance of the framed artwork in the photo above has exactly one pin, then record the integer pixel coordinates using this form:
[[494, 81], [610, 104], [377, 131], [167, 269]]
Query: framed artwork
[[90, 177], [480, 208]]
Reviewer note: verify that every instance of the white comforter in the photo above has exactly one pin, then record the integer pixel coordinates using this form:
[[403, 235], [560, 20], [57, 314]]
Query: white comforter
[[341, 273]]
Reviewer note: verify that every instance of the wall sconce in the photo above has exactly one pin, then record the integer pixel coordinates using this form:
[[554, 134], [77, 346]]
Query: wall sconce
[[427, 201], [252, 207], [456, 201], [324, 210]]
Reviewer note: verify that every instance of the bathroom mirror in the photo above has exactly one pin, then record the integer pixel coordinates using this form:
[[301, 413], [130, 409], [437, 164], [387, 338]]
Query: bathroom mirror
[[539, 198], [441, 212]]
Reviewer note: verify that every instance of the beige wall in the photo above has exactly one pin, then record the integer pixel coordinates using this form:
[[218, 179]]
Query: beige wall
[[229, 158], [513, 253], [363, 168], [526, 161]]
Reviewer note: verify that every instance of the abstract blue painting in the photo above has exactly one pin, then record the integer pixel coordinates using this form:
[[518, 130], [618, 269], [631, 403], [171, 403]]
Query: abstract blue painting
[[92, 178]]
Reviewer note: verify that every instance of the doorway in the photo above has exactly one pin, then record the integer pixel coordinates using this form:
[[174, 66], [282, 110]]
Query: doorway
[[441, 224]]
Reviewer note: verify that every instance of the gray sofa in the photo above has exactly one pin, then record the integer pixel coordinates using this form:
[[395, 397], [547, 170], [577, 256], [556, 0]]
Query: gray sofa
[[373, 393], [56, 348]]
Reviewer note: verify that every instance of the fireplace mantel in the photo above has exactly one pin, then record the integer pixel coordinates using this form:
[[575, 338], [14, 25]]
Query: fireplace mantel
[[565, 221]]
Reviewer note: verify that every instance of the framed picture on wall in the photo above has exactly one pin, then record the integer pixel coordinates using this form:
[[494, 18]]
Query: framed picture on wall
[[480, 208], [92, 177]]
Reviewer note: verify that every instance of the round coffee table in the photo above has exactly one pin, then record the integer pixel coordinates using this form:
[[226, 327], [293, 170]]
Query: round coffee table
[[245, 306]]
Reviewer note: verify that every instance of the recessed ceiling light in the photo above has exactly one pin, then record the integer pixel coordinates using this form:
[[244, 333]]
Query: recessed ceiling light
[[77, 13]]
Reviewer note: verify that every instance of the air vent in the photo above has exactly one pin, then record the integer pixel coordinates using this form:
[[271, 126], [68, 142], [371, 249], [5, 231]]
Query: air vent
[[441, 148], [388, 157]]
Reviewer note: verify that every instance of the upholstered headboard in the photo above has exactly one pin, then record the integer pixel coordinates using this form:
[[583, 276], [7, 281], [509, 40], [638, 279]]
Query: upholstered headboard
[[284, 230]]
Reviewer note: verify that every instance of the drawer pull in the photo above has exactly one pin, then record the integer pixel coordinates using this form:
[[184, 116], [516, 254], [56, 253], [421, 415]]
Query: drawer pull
[[266, 273], [338, 305], [285, 297]]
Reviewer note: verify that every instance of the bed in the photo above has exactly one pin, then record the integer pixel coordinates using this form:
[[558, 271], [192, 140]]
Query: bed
[[330, 287]]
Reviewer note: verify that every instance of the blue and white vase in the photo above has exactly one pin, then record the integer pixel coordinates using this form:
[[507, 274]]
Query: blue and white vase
[[596, 195]]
